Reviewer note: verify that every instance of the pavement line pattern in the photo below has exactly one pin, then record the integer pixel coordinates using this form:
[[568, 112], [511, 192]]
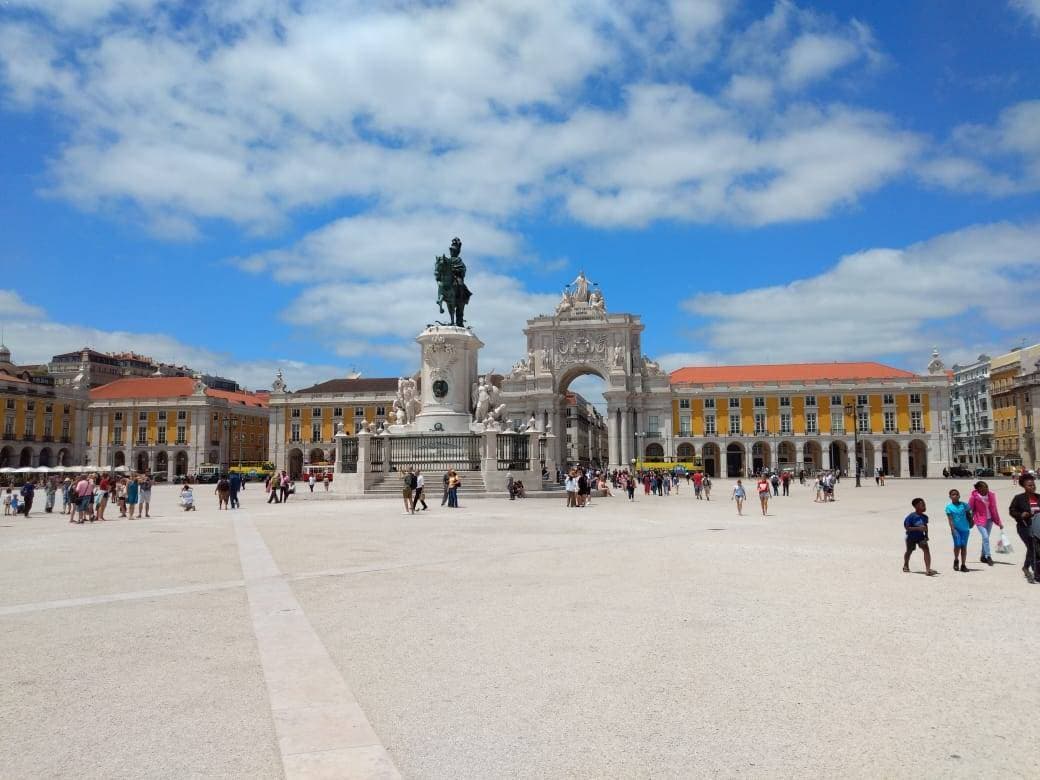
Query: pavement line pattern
[[322, 731], [109, 598]]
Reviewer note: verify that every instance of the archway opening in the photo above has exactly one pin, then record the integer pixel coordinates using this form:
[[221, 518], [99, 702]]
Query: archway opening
[[180, 464], [582, 424], [786, 455], [866, 457], [64, 458], [25, 458], [760, 456], [6, 457], [295, 463], [45, 457], [839, 455], [918, 458], [684, 452], [890, 459], [119, 459], [654, 453], [162, 463], [734, 460], [711, 459], [812, 458], [142, 462]]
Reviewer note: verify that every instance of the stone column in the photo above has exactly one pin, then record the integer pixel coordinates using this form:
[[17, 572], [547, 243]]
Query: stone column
[[904, 459], [626, 438], [612, 438], [826, 457], [534, 464], [799, 454]]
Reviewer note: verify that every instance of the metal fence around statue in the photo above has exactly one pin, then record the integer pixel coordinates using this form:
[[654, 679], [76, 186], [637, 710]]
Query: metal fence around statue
[[513, 452]]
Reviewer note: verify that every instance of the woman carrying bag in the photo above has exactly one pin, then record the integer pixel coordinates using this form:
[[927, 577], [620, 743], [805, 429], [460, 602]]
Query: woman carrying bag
[[983, 506], [1024, 508]]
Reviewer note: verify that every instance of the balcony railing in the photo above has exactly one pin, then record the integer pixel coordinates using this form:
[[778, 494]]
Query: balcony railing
[[28, 437], [66, 440], [47, 437]]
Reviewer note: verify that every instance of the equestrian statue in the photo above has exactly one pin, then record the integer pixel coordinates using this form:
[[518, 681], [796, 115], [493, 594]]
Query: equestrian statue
[[450, 273]]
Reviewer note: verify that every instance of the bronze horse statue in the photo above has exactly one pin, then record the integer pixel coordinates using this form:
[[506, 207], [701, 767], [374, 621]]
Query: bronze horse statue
[[450, 273]]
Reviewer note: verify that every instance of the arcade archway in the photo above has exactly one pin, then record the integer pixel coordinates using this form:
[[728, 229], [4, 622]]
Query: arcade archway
[[582, 338], [735, 460], [711, 458]]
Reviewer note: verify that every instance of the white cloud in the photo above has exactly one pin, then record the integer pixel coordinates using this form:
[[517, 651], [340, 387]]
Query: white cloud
[[249, 112], [883, 301], [376, 246], [34, 338], [999, 159], [1031, 9]]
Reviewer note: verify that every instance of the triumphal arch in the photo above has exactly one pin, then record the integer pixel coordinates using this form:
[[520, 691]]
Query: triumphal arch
[[583, 337]]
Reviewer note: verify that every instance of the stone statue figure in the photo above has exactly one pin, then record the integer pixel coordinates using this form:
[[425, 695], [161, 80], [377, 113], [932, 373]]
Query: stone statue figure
[[565, 304], [407, 400], [597, 304], [581, 289], [619, 355], [450, 273], [482, 398], [547, 362]]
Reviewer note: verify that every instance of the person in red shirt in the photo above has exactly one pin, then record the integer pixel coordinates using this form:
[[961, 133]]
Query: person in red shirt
[[763, 493]]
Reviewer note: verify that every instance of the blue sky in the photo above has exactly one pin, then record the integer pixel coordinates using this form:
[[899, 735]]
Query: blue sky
[[262, 185]]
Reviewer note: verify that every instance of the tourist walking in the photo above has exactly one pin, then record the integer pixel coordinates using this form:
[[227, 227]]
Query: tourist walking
[[1024, 508], [133, 495], [959, 516], [284, 482], [7, 502], [445, 480], [27, 492], [785, 480], [983, 505], [235, 483], [101, 500], [454, 483], [739, 495], [223, 492], [407, 488], [916, 526], [327, 480], [570, 486], [706, 487], [145, 497], [630, 487], [274, 488], [698, 484], [50, 490], [310, 481], [775, 482], [420, 491], [121, 495], [763, 494]]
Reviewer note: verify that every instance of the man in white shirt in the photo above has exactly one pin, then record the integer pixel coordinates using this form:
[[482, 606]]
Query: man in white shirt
[[571, 486], [419, 497]]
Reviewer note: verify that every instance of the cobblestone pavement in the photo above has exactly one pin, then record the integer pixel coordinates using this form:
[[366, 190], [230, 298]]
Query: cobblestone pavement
[[662, 638]]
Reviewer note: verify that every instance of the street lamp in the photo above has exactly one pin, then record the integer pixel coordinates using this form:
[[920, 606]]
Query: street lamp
[[854, 412], [230, 424]]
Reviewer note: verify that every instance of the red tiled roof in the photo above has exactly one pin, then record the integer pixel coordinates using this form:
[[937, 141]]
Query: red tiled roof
[[166, 387], [786, 372]]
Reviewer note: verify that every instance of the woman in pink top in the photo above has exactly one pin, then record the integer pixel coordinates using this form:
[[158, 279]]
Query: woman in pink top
[[983, 504]]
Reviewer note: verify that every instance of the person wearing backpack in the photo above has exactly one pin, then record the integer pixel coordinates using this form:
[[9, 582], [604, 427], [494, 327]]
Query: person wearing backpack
[[406, 492]]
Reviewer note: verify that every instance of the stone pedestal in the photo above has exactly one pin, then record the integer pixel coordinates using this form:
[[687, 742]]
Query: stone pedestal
[[449, 372]]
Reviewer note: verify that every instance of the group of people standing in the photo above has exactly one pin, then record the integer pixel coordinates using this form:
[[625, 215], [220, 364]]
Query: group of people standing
[[413, 489], [87, 497], [980, 513]]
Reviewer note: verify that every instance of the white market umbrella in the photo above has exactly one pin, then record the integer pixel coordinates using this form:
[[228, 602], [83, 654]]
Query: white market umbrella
[[121, 469], [25, 470], [7, 470], [44, 469]]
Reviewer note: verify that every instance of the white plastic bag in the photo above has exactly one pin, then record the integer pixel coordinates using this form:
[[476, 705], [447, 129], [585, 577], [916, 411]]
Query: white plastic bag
[[1004, 544]]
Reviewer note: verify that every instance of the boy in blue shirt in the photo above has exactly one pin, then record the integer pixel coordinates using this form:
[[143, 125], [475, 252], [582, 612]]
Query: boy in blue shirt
[[916, 525], [959, 515]]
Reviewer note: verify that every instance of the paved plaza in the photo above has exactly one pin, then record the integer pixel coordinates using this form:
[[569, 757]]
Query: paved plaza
[[664, 638]]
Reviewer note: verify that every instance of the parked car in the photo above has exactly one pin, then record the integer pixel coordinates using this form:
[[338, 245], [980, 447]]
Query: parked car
[[161, 477], [984, 473], [960, 471]]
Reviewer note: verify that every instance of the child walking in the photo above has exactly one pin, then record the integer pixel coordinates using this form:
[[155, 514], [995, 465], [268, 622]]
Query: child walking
[[959, 515], [739, 495], [916, 525]]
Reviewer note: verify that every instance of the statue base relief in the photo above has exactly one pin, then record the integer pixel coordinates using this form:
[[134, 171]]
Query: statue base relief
[[449, 374]]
